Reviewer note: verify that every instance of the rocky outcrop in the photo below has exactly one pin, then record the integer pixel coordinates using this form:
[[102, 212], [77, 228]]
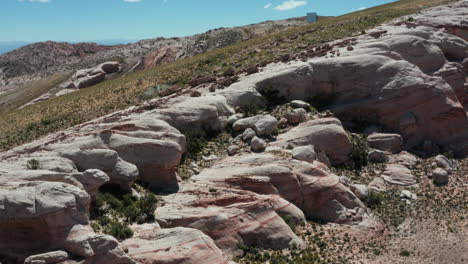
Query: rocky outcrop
[[385, 142], [230, 217], [386, 80], [179, 245], [326, 135], [310, 186], [263, 125], [88, 77], [160, 56]]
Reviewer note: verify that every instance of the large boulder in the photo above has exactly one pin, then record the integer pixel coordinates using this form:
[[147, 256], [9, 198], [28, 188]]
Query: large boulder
[[199, 115], [308, 185], [385, 142], [153, 146], [90, 79], [326, 135], [230, 217], [263, 125], [37, 216], [121, 173], [151, 244]]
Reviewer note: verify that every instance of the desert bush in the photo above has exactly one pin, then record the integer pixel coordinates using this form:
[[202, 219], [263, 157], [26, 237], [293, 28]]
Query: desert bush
[[33, 164], [114, 211], [359, 151]]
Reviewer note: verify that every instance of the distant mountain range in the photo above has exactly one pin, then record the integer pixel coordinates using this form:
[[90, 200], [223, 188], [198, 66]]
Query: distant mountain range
[[7, 46]]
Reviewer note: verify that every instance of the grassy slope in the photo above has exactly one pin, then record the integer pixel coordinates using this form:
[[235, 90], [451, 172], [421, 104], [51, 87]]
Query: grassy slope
[[24, 125], [13, 99]]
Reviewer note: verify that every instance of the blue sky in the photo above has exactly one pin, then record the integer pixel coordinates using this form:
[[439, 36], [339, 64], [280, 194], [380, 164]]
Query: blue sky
[[88, 20]]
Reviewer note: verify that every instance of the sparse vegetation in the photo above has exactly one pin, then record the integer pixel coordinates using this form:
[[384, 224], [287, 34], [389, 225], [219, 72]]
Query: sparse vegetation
[[114, 211], [33, 164], [359, 151]]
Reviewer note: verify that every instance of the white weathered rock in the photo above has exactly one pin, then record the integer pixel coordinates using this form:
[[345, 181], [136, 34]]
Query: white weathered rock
[[47, 210], [248, 134], [377, 156], [440, 176], [297, 116], [304, 153], [228, 216], [310, 186], [121, 173], [360, 190], [326, 135], [262, 125], [233, 150], [385, 142], [257, 144], [405, 194], [173, 246], [398, 174], [443, 162], [404, 158], [48, 258], [300, 104]]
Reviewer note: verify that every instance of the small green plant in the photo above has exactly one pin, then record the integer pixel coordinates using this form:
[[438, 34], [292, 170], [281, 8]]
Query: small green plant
[[375, 200], [251, 109], [119, 230], [195, 143], [33, 164], [405, 253], [290, 221], [213, 190], [115, 210], [359, 151]]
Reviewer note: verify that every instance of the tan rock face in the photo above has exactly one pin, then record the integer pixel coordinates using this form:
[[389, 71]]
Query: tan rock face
[[310, 186], [228, 216], [173, 246]]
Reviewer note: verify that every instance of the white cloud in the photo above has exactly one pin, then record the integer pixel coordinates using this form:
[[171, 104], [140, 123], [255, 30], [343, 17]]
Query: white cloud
[[132, 1], [362, 8], [291, 4], [39, 1], [267, 6]]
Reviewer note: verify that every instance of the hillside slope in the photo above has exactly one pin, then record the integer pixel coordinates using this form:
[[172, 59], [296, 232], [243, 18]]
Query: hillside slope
[[41, 60]]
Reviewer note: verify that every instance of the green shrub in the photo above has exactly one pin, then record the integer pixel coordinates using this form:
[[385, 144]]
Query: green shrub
[[290, 221], [405, 253], [375, 200], [115, 210], [251, 109], [119, 230], [33, 164], [195, 143], [359, 151]]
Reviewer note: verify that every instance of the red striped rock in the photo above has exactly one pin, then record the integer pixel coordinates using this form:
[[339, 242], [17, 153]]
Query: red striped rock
[[229, 217], [152, 245], [310, 186]]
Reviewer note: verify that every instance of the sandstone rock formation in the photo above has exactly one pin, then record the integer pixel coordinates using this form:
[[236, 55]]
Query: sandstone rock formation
[[310, 186], [229, 217], [369, 81], [179, 245], [326, 135]]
